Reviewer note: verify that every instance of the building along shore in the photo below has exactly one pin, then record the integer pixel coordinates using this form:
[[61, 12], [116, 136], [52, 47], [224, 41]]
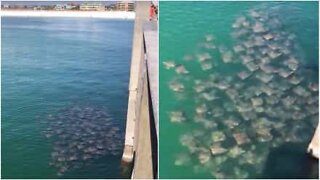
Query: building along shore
[[79, 14]]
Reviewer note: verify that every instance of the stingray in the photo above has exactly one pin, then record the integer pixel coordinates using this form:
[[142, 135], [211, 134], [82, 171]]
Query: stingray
[[217, 149], [217, 112], [249, 44], [312, 100], [251, 66], [254, 14], [240, 33], [227, 57], [241, 138], [187, 139], [246, 58], [265, 78], [246, 24], [238, 48], [268, 36], [201, 109], [203, 57], [295, 80], [284, 73], [244, 107], [273, 47], [292, 64], [313, 87], [209, 37], [231, 122], [253, 52], [199, 88], [259, 28], [273, 54], [204, 156], [210, 96], [267, 90], [292, 60], [176, 86], [243, 75], [232, 93], [268, 69], [222, 85], [259, 41], [218, 174], [257, 101], [177, 117], [206, 66], [257, 91], [293, 67], [300, 91], [76, 130], [222, 49], [235, 151], [259, 109], [180, 69], [209, 124], [209, 46], [248, 115], [282, 85], [169, 64], [250, 158], [182, 159], [218, 136], [239, 22]]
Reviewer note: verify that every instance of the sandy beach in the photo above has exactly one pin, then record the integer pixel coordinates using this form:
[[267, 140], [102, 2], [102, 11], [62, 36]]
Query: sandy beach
[[79, 14]]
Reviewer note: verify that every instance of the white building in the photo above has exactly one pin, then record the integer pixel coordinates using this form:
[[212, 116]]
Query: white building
[[92, 7]]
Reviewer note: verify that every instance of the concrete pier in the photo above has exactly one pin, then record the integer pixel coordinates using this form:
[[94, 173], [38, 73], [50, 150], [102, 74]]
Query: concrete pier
[[143, 165], [142, 116], [313, 147], [135, 84]]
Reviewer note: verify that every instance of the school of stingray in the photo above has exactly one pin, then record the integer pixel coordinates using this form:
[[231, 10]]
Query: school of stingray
[[79, 135], [239, 116]]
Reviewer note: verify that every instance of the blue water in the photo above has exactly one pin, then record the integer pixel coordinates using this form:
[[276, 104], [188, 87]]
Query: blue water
[[48, 64]]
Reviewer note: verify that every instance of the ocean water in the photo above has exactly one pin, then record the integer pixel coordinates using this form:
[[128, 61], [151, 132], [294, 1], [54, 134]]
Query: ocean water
[[185, 30], [49, 64]]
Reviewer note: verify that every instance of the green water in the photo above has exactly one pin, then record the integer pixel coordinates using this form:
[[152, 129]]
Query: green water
[[183, 26]]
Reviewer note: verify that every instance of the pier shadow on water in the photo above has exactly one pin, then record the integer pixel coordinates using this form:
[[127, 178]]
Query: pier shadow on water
[[290, 161]]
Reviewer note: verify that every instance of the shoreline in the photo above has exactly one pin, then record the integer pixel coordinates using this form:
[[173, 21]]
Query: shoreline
[[77, 14]]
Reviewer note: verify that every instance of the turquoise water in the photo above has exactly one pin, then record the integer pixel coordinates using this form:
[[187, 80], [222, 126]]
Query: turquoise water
[[49, 64], [183, 29]]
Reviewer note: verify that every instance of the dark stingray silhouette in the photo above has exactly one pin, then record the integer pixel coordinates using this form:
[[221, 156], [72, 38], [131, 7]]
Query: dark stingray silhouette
[[80, 134]]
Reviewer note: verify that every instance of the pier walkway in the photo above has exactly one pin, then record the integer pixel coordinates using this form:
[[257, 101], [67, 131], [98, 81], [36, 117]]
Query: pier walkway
[[140, 148]]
